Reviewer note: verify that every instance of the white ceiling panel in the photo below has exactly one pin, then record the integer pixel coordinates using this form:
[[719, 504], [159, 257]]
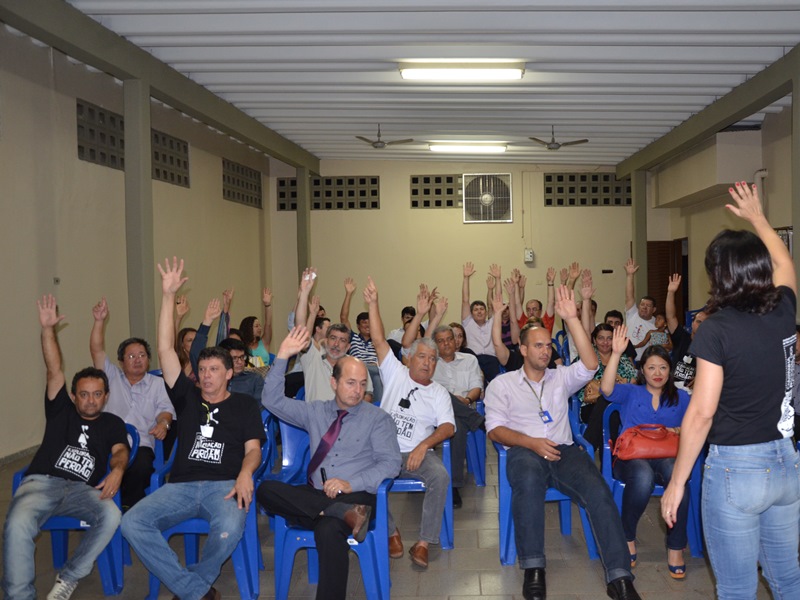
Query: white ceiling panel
[[319, 72]]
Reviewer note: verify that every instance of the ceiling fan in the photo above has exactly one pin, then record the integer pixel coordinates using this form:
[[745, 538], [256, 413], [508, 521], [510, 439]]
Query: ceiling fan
[[379, 144], [553, 144]]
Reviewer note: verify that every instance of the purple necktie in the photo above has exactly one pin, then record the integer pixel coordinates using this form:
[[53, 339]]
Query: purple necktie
[[325, 444]]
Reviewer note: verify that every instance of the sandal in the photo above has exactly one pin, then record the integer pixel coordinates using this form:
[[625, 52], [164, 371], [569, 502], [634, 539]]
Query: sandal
[[676, 571]]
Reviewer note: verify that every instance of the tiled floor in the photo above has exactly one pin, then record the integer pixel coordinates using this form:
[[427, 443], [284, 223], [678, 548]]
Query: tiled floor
[[471, 569]]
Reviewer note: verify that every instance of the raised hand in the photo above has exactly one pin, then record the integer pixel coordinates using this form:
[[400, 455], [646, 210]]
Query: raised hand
[[100, 310], [313, 306], [490, 282], [308, 279], [294, 343], [510, 287], [441, 305], [551, 275], [674, 283], [619, 341], [587, 287], [423, 300], [171, 276], [498, 306], [564, 276], [349, 285], [266, 297], [213, 311], [469, 269], [370, 292], [494, 271], [522, 281], [565, 303], [227, 298], [631, 267], [748, 204], [515, 275], [574, 271], [48, 311], [181, 306]]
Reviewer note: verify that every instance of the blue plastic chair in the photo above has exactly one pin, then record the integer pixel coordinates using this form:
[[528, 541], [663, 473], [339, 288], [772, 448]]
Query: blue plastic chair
[[508, 546], [562, 343], [476, 451], [301, 393], [373, 552], [415, 485], [694, 524], [245, 556], [110, 561]]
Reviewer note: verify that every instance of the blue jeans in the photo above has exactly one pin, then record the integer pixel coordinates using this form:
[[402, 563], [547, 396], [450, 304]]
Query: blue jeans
[[751, 507], [433, 474], [172, 504], [576, 476], [640, 477], [38, 498]]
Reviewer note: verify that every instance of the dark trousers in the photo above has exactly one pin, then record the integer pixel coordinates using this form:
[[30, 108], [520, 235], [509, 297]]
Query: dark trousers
[[137, 477], [301, 506], [467, 419]]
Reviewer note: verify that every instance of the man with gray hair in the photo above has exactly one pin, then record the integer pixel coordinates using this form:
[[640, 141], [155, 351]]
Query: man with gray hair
[[423, 417], [461, 376]]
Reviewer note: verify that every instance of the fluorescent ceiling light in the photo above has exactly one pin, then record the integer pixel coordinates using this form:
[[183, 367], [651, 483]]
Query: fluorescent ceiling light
[[468, 72], [468, 148]]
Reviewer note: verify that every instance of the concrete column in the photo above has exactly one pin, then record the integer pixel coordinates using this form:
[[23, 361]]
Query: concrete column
[[303, 220], [795, 169], [639, 227], [139, 211]]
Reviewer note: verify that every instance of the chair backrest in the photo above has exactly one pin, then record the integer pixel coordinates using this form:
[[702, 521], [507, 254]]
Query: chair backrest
[[562, 344], [133, 441], [607, 458], [296, 454], [301, 393]]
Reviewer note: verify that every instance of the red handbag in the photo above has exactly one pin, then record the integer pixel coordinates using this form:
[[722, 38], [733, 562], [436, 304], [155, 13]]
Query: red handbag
[[647, 441]]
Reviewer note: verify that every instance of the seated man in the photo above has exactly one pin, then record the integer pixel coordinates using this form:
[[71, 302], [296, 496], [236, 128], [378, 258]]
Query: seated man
[[136, 397], [461, 376], [533, 308], [639, 317], [354, 448], [67, 476], [328, 344], [219, 449], [361, 344], [527, 411], [423, 416], [476, 326]]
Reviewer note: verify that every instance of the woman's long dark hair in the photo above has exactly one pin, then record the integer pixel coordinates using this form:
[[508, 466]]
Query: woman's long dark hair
[[669, 393], [740, 270], [246, 330]]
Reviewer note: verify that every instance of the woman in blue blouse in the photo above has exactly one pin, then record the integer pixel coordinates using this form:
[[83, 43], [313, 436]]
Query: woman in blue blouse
[[652, 399]]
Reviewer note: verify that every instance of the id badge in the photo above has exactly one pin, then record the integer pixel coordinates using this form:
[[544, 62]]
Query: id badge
[[545, 416]]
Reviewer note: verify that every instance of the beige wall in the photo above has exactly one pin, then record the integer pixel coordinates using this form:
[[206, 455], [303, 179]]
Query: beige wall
[[401, 247]]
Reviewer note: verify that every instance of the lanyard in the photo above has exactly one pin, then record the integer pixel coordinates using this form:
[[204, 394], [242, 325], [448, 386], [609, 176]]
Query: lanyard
[[537, 396]]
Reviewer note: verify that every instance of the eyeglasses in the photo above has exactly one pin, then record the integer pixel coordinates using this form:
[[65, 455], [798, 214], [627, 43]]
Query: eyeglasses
[[240, 358], [140, 355]]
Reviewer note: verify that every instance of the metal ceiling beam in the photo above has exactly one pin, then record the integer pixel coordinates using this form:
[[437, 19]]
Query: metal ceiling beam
[[762, 89], [61, 26]]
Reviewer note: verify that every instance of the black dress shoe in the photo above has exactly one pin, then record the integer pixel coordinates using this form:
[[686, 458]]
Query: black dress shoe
[[534, 588], [456, 499], [622, 589]]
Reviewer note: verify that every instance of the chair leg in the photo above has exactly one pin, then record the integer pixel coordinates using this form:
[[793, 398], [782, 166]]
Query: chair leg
[[59, 541], [565, 516]]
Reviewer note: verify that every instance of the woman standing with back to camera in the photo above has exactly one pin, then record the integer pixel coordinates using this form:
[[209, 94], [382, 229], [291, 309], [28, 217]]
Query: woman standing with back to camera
[[742, 403]]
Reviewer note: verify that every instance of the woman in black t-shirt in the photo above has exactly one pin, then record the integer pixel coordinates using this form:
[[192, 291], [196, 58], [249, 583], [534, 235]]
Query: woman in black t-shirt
[[742, 403]]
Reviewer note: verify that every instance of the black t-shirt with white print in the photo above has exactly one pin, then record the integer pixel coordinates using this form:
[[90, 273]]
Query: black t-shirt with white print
[[756, 353], [75, 448], [211, 437]]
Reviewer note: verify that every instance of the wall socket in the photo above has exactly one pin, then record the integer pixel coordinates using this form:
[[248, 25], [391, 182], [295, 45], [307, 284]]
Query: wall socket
[[527, 255]]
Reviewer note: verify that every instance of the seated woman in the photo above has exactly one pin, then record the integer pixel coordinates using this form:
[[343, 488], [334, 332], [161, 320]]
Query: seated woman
[[182, 346], [461, 338], [592, 403], [653, 399], [251, 331]]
